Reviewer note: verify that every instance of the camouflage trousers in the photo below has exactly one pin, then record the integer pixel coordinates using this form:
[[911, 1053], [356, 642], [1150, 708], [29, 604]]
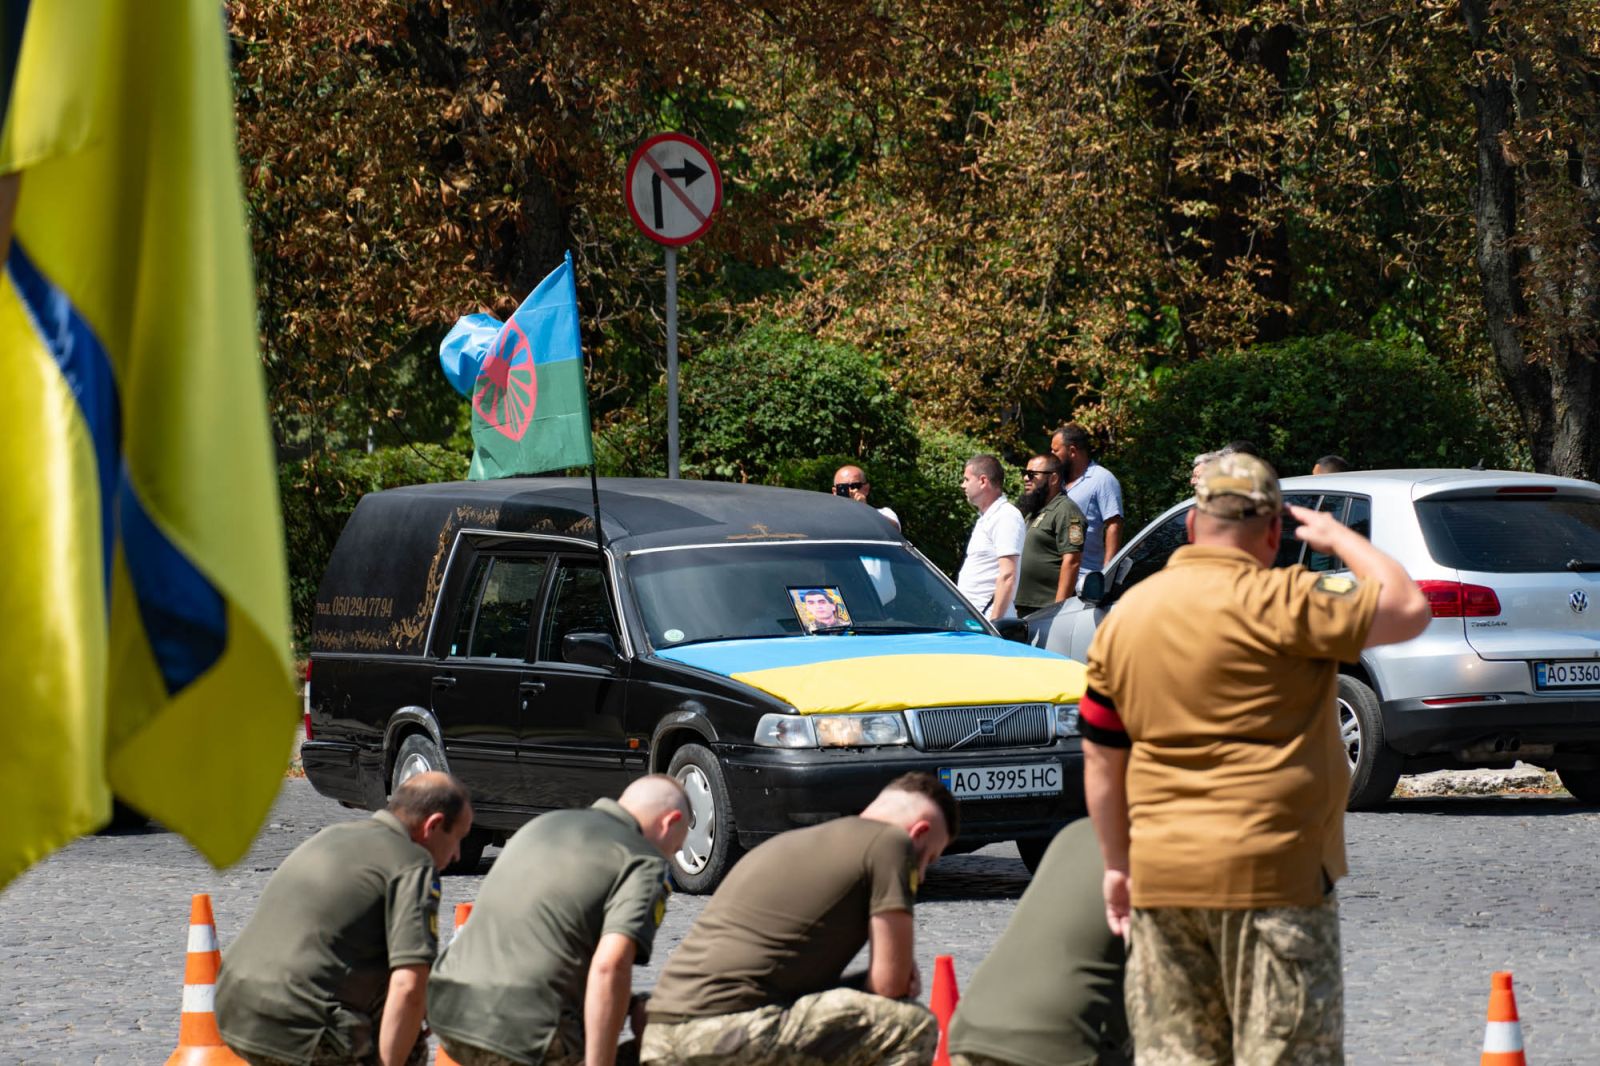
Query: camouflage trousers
[[839, 1027], [1253, 987]]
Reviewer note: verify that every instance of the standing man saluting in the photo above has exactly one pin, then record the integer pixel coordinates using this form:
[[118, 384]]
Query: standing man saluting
[[988, 577], [1216, 778]]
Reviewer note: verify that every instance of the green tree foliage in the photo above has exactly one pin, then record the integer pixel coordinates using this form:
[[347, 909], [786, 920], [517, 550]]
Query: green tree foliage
[[1377, 403], [321, 491]]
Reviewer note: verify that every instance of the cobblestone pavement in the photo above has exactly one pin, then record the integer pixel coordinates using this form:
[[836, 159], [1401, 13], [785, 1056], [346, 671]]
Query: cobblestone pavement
[[1442, 892]]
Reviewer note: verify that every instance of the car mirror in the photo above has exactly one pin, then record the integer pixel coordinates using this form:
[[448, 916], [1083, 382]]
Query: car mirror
[[589, 648], [1094, 588], [1013, 629]]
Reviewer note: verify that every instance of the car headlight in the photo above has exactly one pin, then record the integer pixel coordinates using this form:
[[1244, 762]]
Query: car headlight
[[785, 731], [860, 730], [831, 730], [1066, 719]]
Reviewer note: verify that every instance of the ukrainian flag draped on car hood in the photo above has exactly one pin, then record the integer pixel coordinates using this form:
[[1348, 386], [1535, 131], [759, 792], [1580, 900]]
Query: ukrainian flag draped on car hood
[[145, 602], [890, 672]]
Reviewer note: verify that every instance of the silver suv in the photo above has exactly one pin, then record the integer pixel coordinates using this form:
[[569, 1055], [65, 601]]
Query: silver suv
[[1508, 669]]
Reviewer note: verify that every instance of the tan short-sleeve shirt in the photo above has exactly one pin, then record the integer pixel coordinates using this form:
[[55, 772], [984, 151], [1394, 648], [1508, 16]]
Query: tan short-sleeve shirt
[[1222, 674]]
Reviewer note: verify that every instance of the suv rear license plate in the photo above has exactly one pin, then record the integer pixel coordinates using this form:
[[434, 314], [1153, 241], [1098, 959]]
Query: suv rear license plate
[[1567, 675], [1000, 782]]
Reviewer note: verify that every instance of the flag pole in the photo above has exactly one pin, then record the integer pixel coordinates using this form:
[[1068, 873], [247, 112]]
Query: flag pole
[[594, 458]]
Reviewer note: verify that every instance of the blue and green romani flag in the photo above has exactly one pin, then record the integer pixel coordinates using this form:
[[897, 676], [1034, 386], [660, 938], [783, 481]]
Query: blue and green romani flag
[[530, 407], [144, 588]]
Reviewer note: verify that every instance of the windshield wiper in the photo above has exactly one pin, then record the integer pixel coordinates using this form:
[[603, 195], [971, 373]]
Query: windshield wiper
[[1583, 566], [893, 627], [724, 636]]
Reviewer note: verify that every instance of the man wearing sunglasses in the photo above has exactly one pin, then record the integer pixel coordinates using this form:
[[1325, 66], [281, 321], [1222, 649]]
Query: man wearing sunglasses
[[851, 481], [1053, 544]]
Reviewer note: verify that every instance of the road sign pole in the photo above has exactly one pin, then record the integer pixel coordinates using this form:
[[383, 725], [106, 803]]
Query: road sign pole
[[673, 189], [672, 361]]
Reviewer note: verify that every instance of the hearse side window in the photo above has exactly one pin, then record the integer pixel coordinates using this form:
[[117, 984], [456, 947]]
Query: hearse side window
[[578, 603], [498, 614]]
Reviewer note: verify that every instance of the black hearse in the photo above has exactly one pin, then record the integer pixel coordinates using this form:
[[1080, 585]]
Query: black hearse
[[782, 653]]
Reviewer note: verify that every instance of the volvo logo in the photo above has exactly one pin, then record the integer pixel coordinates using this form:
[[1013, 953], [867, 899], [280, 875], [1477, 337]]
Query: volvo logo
[[1578, 601], [986, 726]]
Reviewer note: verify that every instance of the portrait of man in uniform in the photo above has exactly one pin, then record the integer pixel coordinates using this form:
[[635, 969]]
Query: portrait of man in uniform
[[819, 608]]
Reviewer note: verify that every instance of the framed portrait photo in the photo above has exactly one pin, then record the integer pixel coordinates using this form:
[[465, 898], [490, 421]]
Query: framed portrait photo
[[819, 607]]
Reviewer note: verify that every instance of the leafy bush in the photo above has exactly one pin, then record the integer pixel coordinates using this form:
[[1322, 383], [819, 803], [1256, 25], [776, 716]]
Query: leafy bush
[[319, 493], [1380, 404]]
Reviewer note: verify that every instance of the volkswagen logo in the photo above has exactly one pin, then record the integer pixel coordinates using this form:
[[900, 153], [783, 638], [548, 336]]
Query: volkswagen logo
[[1578, 601]]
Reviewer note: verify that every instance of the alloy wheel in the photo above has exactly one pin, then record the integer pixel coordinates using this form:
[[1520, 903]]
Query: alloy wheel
[[696, 850]]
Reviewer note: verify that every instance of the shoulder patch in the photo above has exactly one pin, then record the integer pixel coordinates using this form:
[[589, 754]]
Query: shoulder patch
[[1336, 584], [1075, 533]]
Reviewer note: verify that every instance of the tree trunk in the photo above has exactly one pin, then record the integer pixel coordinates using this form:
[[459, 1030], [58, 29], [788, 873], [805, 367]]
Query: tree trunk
[[1543, 341]]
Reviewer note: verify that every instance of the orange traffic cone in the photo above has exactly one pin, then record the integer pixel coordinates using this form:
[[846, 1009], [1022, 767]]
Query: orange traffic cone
[[463, 912], [1502, 1036], [943, 1004], [199, 1043]]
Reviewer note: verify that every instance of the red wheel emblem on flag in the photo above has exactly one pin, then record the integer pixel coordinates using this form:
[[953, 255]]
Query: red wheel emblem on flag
[[508, 386]]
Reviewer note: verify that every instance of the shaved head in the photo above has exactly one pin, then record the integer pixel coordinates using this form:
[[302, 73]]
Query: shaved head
[[661, 807]]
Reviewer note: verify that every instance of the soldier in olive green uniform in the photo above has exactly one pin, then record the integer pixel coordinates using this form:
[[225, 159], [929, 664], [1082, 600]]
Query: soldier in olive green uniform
[[1052, 546], [1050, 992], [333, 966], [1217, 781], [544, 969], [757, 981]]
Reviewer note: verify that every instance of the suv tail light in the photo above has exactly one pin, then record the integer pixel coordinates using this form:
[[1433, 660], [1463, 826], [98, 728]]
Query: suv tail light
[[307, 690], [1452, 599]]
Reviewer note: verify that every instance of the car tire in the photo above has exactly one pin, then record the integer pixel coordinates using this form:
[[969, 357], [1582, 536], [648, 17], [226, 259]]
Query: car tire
[[1032, 850], [1583, 784], [418, 754], [1374, 766], [712, 845]]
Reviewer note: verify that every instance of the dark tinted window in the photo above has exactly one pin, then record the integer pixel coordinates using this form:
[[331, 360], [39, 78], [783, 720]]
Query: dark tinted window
[[1511, 534], [1288, 544], [578, 603], [1152, 551], [1325, 561], [507, 593]]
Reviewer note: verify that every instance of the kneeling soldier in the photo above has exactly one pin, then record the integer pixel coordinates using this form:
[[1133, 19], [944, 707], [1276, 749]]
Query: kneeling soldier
[[757, 979], [333, 966], [543, 973], [1050, 992]]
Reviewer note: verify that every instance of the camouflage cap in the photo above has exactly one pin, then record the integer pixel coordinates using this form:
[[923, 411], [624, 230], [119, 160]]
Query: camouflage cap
[[1236, 485]]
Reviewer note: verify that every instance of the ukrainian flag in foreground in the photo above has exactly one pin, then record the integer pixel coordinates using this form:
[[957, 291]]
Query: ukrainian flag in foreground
[[145, 639]]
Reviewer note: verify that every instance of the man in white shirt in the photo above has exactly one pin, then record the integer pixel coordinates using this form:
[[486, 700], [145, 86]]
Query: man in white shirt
[[988, 577]]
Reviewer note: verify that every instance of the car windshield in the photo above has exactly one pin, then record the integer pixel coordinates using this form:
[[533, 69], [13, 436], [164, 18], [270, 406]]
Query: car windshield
[[1512, 534], [737, 591]]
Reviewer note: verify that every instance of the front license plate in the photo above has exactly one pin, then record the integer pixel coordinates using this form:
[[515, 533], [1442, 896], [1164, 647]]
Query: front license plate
[[996, 782], [1567, 675]]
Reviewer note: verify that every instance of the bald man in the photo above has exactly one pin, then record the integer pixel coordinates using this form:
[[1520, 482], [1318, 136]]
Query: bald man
[[333, 965], [851, 482], [543, 974], [760, 977]]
